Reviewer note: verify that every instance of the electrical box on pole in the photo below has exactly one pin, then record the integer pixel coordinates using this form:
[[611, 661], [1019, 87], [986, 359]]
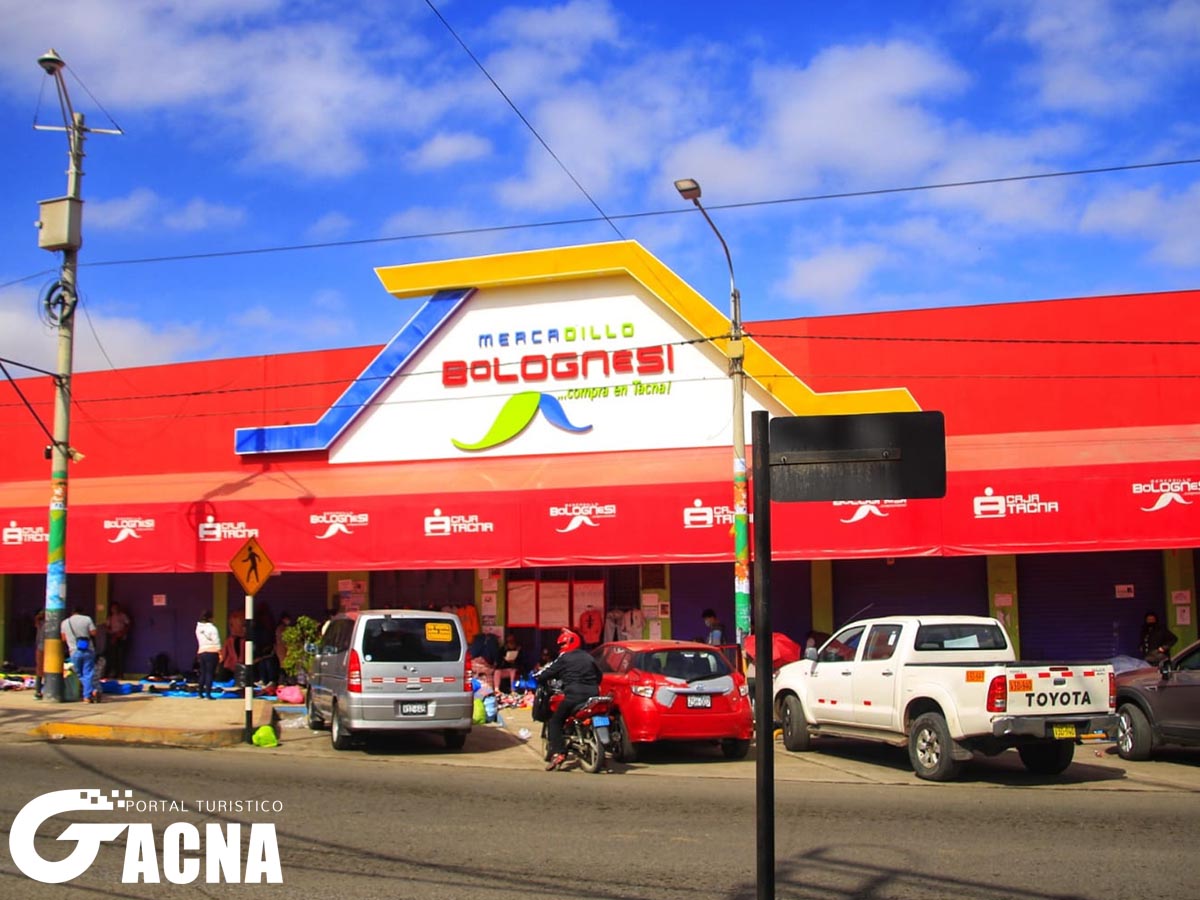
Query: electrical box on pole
[[60, 224]]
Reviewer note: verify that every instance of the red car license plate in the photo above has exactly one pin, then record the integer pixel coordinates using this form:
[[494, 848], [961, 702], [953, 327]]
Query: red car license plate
[[412, 708], [699, 701]]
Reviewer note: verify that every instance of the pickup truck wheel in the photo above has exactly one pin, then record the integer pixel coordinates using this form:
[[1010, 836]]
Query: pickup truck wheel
[[1134, 737], [930, 748], [795, 730], [1047, 757]]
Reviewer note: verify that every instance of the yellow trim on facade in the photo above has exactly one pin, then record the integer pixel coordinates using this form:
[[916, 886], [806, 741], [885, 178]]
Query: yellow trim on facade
[[629, 258]]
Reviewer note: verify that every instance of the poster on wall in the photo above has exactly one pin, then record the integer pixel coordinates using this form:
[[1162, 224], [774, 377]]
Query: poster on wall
[[554, 604], [522, 604], [587, 603], [487, 605], [1183, 615]]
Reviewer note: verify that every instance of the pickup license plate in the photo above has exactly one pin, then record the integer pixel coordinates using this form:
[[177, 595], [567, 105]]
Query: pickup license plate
[[414, 708], [1063, 731], [600, 720], [699, 701]]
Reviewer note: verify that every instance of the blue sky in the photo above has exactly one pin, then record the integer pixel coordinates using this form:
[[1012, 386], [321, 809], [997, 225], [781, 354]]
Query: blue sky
[[256, 124]]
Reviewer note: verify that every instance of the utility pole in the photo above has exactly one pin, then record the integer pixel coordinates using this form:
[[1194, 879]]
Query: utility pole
[[60, 228]]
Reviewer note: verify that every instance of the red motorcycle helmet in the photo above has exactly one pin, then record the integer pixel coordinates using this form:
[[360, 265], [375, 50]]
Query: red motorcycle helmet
[[568, 641]]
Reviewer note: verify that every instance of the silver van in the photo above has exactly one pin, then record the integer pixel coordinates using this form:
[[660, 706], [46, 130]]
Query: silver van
[[392, 670]]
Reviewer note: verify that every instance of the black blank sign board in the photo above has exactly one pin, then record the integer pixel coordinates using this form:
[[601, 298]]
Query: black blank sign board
[[867, 456]]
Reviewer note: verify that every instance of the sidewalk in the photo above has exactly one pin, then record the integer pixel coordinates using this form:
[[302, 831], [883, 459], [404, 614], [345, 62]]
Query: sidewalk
[[141, 718]]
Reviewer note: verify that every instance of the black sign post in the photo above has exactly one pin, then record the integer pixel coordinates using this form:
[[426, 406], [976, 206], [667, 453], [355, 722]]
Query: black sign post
[[869, 456]]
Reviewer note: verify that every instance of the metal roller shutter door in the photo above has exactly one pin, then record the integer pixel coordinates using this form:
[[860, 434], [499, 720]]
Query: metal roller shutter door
[[1069, 608], [917, 585]]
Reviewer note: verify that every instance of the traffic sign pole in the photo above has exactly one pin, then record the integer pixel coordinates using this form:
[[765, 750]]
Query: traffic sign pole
[[248, 687], [251, 567]]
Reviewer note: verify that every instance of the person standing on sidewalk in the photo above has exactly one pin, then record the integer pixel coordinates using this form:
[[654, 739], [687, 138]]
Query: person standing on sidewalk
[[39, 655], [117, 626], [79, 631], [208, 651]]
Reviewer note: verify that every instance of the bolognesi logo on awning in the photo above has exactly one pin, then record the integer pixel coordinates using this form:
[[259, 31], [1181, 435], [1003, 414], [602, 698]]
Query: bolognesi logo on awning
[[149, 859], [1170, 491], [867, 509], [442, 525], [333, 523], [14, 535], [127, 528], [581, 514]]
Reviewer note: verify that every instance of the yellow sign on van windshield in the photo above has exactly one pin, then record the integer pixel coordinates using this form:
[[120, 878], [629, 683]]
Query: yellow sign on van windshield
[[438, 631]]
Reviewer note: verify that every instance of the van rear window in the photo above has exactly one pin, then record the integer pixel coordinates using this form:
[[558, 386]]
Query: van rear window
[[397, 640]]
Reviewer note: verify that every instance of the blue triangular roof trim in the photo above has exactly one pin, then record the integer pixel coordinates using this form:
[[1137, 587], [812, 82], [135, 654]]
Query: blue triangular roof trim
[[320, 435]]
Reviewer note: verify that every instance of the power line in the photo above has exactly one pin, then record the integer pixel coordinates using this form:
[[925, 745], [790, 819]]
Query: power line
[[587, 220], [521, 116]]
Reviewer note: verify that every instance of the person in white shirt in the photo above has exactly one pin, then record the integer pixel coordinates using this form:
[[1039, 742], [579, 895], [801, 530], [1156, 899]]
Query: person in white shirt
[[208, 651]]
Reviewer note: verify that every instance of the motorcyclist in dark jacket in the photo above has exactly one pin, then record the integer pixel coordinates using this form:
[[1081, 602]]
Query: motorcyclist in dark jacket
[[579, 675]]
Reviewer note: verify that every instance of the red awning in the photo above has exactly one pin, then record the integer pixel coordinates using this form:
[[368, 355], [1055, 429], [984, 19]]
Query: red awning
[[1009, 511]]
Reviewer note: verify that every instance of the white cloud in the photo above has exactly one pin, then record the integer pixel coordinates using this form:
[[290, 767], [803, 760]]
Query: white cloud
[[330, 226], [1110, 56], [832, 275], [200, 215], [447, 149], [1168, 222], [854, 112], [269, 324], [138, 209]]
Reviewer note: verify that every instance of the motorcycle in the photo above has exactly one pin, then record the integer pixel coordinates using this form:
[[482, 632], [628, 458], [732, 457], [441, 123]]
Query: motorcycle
[[587, 733]]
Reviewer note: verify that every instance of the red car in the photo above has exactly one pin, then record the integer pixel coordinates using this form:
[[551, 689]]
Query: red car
[[675, 691]]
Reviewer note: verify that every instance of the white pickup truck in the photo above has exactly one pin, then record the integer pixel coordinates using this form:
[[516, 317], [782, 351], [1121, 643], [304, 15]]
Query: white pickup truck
[[945, 687]]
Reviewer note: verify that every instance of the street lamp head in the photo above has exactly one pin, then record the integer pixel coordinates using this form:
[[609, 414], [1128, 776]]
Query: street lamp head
[[51, 62], [689, 188]]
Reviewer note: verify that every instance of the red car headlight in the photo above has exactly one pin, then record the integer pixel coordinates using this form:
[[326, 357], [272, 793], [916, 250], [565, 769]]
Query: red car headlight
[[642, 690]]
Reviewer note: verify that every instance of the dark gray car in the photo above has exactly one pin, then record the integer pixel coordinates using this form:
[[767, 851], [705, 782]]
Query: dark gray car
[[1159, 706]]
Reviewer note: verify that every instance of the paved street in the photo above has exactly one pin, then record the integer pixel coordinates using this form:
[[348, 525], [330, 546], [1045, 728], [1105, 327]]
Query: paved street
[[403, 819]]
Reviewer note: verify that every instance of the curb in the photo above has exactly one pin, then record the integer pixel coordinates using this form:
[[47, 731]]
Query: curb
[[263, 713], [140, 734]]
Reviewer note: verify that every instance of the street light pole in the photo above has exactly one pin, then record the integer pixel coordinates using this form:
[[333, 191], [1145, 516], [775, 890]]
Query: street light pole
[[60, 227], [689, 189]]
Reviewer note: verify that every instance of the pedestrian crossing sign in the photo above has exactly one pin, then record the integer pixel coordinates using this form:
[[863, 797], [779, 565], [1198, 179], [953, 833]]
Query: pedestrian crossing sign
[[251, 566]]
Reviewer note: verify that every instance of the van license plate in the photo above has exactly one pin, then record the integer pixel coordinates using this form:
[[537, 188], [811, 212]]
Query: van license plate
[[700, 701], [1063, 731], [410, 708]]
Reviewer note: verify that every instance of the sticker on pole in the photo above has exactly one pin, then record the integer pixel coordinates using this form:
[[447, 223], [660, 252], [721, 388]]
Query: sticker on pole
[[251, 566]]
